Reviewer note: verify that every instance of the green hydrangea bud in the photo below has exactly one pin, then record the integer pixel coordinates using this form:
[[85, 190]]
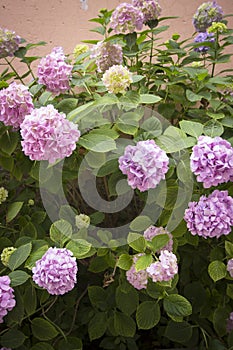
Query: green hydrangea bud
[[3, 194], [82, 221], [31, 202], [217, 27], [6, 253], [79, 49]]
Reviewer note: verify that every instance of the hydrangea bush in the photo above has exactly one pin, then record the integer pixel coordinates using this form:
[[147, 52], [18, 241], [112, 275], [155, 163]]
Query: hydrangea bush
[[116, 195]]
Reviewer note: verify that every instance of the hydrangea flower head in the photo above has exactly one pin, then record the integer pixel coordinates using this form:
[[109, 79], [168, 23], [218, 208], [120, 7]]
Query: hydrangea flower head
[[202, 37], [9, 42], [230, 267], [82, 221], [106, 55], [117, 79], [138, 279], [48, 135], [144, 164], [7, 298], [15, 103], [212, 161], [80, 49], [206, 14], [164, 269], [126, 18], [56, 271], [153, 231], [217, 27], [212, 216], [150, 9], [5, 349], [54, 72], [6, 254], [3, 194]]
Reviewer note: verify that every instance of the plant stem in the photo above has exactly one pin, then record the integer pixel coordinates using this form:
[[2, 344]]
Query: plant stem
[[14, 70]]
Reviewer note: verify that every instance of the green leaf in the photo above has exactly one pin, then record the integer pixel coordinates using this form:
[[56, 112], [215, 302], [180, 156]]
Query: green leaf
[[177, 306], [30, 300], [79, 247], [8, 142], [124, 262], [148, 314], [153, 126], [13, 210], [136, 241], [97, 143], [43, 329], [97, 296], [140, 223], [70, 343], [217, 270], [191, 128], [36, 255], [97, 326], [12, 339], [98, 264], [18, 277], [220, 316], [124, 324], [213, 128], [20, 255], [179, 332], [229, 248], [60, 231], [159, 241], [42, 346], [149, 99], [192, 97], [127, 298], [143, 262]]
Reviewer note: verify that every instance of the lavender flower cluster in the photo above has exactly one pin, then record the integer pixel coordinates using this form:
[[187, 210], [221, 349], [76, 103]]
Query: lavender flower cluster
[[206, 14], [150, 8], [212, 216], [48, 135], [9, 42], [7, 299], [56, 271], [106, 55], [54, 72], [144, 164], [201, 38]]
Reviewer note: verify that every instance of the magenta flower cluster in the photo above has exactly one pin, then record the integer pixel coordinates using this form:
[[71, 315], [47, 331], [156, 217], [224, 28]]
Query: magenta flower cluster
[[56, 271], [150, 8], [212, 216], [164, 269], [202, 37], [48, 135], [54, 72], [212, 161], [15, 103], [9, 42], [126, 18], [153, 231], [206, 14], [7, 298], [144, 164], [138, 279], [106, 55], [230, 267]]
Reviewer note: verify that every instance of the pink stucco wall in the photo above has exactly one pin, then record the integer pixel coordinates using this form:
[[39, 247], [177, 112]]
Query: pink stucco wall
[[64, 23]]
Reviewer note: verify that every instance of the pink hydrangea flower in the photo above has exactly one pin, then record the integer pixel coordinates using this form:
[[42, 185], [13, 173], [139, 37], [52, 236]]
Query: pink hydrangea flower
[[9, 42], [150, 9], [106, 55], [48, 135], [212, 216], [15, 103], [230, 267], [153, 231], [164, 269], [54, 72], [56, 271], [7, 298], [138, 279], [212, 161], [144, 164], [126, 19]]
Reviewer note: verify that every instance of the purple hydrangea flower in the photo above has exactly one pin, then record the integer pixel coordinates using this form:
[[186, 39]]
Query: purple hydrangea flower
[[106, 55], [230, 267], [15, 103], [48, 135], [150, 9], [138, 279], [153, 231], [230, 323], [54, 72], [9, 42], [144, 164], [202, 37], [7, 301], [212, 216], [212, 161], [56, 271], [126, 19], [164, 269], [206, 14]]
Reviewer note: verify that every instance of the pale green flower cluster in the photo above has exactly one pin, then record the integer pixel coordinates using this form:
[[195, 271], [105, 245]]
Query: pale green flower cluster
[[6, 254], [79, 49], [3, 194], [217, 27], [82, 221], [117, 79]]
